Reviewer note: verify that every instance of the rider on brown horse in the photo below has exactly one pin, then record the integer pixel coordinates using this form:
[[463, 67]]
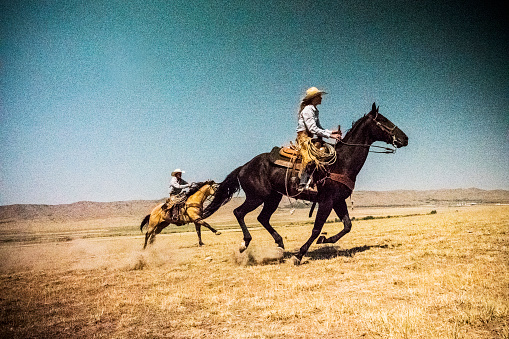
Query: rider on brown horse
[[178, 190], [309, 127]]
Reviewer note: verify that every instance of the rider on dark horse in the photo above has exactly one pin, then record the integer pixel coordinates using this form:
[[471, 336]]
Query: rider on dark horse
[[264, 182], [309, 127]]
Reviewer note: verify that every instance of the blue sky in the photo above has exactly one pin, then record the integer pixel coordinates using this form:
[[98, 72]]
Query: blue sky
[[101, 101]]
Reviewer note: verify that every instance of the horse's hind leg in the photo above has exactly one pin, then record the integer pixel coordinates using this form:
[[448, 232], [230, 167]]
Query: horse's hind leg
[[249, 205], [147, 235], [269, 207], [152, 231]]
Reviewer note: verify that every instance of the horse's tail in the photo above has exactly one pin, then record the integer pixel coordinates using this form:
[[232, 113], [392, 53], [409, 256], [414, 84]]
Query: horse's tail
[[224, 193], [144, 222]]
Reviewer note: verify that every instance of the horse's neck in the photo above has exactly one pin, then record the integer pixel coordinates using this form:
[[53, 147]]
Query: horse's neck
[[352, 154], [201, 195]]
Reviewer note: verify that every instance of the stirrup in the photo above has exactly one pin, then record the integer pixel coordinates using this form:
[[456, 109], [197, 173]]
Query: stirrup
[[304, 187]]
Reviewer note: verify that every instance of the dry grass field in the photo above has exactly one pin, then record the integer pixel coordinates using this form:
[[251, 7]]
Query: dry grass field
[[414, 274]]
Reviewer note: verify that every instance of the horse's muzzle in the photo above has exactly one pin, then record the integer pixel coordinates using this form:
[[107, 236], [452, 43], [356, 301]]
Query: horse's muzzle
[[401, 142], [399, 138]]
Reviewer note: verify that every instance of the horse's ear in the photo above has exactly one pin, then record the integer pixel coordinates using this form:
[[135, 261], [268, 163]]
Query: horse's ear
[[373, 108], [377, 109]]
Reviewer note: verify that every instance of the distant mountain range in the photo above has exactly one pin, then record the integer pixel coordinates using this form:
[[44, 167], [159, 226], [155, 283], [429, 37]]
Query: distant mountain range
[[433, 197], [85, 210]]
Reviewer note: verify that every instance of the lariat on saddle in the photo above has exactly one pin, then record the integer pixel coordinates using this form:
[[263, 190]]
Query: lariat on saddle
[[321, 153]]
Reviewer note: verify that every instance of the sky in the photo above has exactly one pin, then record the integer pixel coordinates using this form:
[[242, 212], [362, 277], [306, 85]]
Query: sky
[[101, 100]]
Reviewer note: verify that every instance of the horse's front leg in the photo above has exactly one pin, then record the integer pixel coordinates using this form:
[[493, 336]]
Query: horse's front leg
[[212, 229], [198, 224], [324, 209], [198, 232], [342, 211]]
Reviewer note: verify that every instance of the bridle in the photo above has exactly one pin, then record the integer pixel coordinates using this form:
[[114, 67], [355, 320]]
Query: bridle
[[212, 191], [384, 128]]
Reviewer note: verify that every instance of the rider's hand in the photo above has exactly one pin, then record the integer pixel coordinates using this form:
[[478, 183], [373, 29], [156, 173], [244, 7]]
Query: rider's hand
[[336, 135]]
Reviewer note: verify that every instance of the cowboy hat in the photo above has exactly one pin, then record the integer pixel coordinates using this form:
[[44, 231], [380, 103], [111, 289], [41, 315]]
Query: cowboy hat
[[313, 92], [178, 170]]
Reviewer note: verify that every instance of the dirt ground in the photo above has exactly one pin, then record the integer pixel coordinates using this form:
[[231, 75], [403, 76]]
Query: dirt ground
[[400, 273]]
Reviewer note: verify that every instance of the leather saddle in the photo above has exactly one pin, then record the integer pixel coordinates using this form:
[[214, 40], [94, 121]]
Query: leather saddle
[[286, 157], [174, 208]]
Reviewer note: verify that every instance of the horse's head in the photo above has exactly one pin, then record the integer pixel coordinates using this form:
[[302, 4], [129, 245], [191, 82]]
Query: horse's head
[[384, 130], [212, 187]]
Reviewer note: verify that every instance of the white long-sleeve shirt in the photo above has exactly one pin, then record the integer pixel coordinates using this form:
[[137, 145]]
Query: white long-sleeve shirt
[[309, 121], [177, 186]]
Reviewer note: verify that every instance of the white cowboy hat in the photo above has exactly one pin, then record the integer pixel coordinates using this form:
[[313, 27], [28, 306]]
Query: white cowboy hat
[[313, 92], [178, 170]]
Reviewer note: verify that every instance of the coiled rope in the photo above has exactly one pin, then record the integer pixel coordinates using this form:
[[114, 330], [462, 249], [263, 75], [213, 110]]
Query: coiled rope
[[322, 156]]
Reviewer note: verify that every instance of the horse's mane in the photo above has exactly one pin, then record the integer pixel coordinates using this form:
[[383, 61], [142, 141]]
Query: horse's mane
[[355, 124], [197, 186]]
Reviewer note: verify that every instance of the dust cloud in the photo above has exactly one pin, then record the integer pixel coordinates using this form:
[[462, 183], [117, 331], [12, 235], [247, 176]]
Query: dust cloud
[[89, 254], [254, 255]]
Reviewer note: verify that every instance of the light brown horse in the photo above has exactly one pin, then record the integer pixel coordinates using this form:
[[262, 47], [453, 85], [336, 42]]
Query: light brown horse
[[160, 217]]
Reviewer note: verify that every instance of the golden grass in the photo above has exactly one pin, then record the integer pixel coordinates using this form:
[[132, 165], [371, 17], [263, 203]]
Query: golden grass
[[444, 275]]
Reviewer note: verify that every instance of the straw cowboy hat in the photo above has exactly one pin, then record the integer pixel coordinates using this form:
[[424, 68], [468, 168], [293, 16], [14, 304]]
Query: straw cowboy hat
[[313, 92], [178, 170]]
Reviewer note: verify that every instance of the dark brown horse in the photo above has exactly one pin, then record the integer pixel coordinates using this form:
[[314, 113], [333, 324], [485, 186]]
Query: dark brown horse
[[265, 183]]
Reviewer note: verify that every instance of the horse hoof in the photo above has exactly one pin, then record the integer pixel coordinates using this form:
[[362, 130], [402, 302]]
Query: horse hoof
[[218, 233], [242, 247], [321, 240], [278, 254], [295, 261]]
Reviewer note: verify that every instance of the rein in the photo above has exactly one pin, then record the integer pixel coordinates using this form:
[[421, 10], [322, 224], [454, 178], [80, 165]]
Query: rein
[[386, 150], [206, 195], [344, 179]]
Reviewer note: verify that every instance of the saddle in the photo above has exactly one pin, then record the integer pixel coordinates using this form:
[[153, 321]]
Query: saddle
[[286, 157], [174, 206], [290, 158]]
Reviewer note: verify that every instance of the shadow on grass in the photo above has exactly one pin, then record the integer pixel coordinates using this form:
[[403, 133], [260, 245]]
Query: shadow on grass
[[330, 252]]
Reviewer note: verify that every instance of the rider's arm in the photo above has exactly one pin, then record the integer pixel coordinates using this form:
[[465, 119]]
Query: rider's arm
[[174, 183], [312, 123]]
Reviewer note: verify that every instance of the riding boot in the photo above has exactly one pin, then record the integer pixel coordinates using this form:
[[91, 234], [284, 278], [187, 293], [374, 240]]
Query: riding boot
[[305, 178]]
